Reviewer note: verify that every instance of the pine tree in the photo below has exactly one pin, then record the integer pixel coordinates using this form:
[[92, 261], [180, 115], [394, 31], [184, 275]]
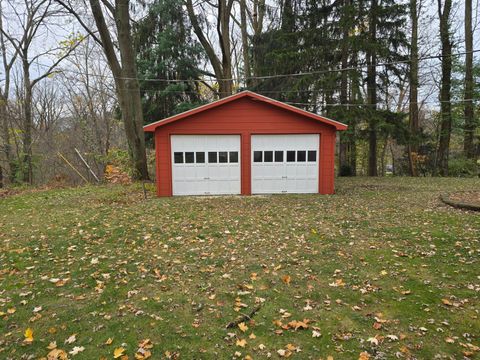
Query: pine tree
[[167, 51]]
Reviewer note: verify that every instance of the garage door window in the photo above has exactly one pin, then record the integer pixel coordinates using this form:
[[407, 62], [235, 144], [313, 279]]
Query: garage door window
[[291, 156], [200, 157], [312, 156], [223, 157], [178, 158], [278, 156], [257, 156], [301, 156], [233, 156], [212, 157], [189, 157], [268, 156]]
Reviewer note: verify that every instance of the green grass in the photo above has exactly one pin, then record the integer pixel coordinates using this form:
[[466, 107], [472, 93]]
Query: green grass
[[170, 270]]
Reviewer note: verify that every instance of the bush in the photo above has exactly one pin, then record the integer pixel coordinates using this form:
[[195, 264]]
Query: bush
[[462, 167], [120, 159]]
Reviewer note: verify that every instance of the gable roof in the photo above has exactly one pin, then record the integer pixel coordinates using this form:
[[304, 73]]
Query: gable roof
[[151, 127]]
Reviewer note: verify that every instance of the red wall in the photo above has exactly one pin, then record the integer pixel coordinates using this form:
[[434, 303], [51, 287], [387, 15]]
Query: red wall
[[245, 117]]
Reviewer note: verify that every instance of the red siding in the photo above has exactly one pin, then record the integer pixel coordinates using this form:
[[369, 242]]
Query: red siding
[[245, 117]]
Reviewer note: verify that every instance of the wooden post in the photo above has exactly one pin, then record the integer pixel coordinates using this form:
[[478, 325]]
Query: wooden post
[[86, 164], [73, 167]]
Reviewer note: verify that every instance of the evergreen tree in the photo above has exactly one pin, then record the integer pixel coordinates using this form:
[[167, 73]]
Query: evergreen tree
[[166, 54]]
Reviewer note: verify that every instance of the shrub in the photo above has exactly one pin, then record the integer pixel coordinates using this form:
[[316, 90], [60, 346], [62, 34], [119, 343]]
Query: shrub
[[462, 167]]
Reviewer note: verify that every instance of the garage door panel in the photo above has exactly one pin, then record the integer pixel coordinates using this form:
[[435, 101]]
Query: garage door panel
[[206, 175], [294, 167]]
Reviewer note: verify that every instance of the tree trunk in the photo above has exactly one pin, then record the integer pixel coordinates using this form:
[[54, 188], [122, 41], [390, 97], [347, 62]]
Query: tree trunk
[[257, 25], [245, 49], [5, 134], [413, 98], [345, 138], [372, 91], [355, 98], [129, 92], [27, 166], [468, 146], [384, 155], [223, 30], [445, 105], [288, 16]]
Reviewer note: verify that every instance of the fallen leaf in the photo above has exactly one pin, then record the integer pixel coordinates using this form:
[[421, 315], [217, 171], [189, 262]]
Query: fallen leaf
[[295, 324], [241, 342], [364, 356], [57, 354], [118, 352], [282, 352], [28, 336], [447, 302], [392, 337], [76, 350], [286, 279], [71, 339]]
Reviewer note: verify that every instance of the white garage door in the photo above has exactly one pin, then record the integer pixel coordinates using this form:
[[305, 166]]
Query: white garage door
[[205, 164], [285, 163]]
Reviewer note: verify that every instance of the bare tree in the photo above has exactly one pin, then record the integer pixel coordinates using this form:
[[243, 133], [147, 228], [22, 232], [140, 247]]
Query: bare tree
[[7, 63], [221, 67], [35, 16], [91, 99], [124, 70]]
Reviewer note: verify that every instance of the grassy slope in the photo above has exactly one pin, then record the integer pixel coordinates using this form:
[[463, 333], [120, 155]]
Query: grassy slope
[[397, 250]]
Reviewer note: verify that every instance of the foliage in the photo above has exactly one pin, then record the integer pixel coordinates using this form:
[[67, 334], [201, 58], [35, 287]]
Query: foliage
[[167, 51], [19, 168], [119, 158], [463, 167], [458, 96]]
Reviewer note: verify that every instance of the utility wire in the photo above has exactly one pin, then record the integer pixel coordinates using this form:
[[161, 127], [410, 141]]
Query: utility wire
[[238, 79], [270, 92]]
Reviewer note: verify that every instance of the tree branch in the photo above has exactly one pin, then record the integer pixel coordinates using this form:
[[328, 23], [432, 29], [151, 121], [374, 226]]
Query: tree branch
[[80, 21], [203, 40], [54, 65]]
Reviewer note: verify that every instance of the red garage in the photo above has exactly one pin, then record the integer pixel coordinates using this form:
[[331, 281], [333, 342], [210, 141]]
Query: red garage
[[245, 144]]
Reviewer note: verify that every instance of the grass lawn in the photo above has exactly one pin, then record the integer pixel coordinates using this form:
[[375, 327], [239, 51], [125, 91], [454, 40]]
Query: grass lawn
[[382, 268]]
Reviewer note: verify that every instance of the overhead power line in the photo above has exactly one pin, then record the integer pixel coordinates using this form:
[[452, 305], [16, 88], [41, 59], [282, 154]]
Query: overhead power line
[[266, 77]]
